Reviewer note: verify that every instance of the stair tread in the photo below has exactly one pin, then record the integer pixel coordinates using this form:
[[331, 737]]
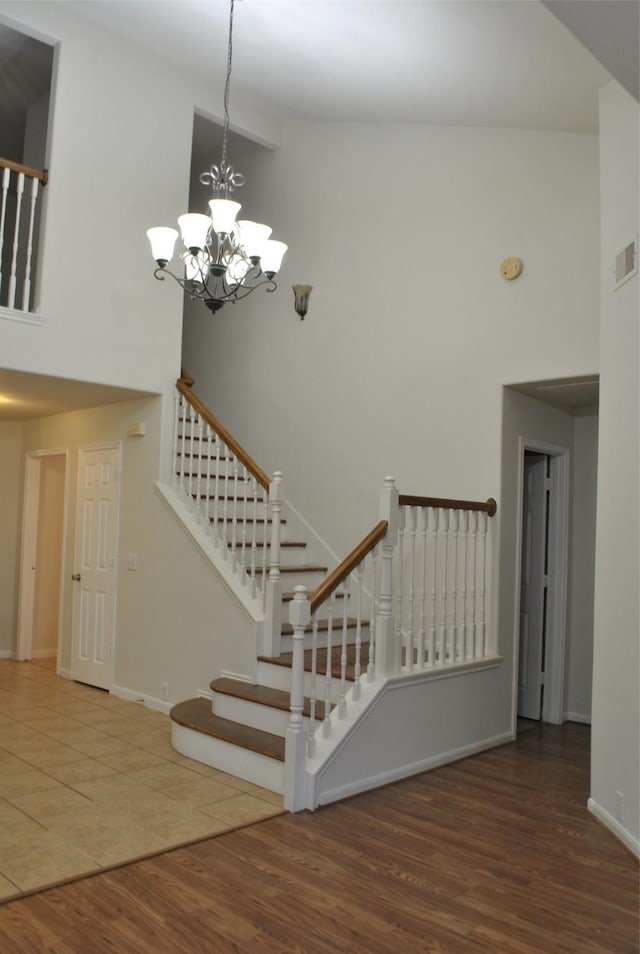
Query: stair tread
[[286, 660], [302, 568], [287, 597], [264, 695], [196, 714]]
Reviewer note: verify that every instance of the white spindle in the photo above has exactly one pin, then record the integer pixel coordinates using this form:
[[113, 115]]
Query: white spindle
[[357, 669], [215, 450], [455, 520], [413, 523], [313, 695], [399, 617], [435, 514], [295, 739], [26, 291], [483, 588], [13, 275], [371, 662], [328, 676], [464, 595], [209, 489], [177, 456], [254, 534], [342, 704], [6, 178], [196, 462], [424, 523], [474, 547]]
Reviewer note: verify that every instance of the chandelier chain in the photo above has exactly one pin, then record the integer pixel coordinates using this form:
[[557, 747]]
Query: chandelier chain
[[227, 88]]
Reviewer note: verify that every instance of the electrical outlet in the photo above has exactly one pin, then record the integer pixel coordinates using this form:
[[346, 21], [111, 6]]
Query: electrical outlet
[[620, 806], [164, 691]]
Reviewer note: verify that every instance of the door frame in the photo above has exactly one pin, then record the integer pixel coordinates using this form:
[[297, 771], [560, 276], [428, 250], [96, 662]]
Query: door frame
[[29, 546], [558, 565]]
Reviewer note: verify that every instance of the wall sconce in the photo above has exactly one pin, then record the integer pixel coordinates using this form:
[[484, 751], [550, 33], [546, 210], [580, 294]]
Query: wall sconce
[[302, 293]]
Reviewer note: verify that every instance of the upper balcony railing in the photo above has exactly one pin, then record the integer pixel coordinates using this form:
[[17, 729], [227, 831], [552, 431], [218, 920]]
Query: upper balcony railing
[[19, 215]]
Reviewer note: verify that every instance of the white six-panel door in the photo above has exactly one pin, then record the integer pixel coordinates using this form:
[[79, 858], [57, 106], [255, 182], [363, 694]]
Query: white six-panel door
[[94, 571]]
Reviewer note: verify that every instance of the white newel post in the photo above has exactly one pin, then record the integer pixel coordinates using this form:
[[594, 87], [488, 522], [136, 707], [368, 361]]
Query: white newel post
[[273, 603], [384, 623], [295, 742]]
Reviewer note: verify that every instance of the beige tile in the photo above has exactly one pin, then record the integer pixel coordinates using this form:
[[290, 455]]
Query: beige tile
[[55, 802], [201, 792], [159, 720], [121, 727], [248, 788], [10, 815], [83, 733], [106, 746], [10, 764], [184, 826], [26, 783], [112, 789], [55, 755], [7, 888], [25, 837], [166, 751], [80, 771], [201, 769], [241, 810], [43, 714], [22, 745], [149, 805], [109, 840], [160, 776], [130, 761], [35, 869], [144, 736]]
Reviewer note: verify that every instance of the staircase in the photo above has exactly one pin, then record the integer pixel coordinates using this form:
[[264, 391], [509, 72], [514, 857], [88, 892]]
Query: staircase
[[407, 606]]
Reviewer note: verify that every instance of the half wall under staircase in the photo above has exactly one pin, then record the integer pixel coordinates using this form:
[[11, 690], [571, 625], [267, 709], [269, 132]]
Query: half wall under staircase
[[352, 670]]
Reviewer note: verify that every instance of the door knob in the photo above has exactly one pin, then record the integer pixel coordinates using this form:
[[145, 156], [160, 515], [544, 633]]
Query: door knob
[[76, 577]]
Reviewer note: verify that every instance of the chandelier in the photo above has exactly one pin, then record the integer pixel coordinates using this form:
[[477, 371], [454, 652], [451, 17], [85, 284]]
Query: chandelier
[[223, 259]]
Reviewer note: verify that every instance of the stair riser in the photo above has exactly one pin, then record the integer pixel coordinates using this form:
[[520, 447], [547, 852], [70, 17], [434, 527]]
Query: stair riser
[[309, 578], [251, 766], [286, 643], [279, 677], [252, 713]]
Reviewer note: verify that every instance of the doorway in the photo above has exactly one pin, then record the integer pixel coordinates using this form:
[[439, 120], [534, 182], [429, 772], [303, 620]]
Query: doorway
[[42, 561], [542, 580]]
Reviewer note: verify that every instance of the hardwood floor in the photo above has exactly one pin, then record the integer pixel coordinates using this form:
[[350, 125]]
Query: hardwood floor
[[495, 854]]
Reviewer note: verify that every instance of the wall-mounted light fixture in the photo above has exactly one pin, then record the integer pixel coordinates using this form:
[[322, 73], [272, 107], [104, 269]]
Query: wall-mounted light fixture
[[302, 293]]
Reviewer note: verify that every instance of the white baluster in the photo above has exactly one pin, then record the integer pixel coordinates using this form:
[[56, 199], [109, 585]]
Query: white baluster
[[295, 757], [243, 519], [474, 543], [359, 575], [444, 635], [413, 523], [399, 590], [435, 515], [328, 676], [342, 704], [464, 595], [455, 520], [13, 275], [192, 452], [6, 177], [386, 656], [26, 291], [273, 584], [210, 491], [424, 523], [234, 510], [226, 494], [197, 462], [371, 661], [483, 589], [177, 458], [254, 534], [311, 736], [214, 449]]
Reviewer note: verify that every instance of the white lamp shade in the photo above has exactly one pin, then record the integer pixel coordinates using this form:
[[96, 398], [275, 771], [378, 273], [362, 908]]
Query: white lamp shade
[[272, 255], [236, 270], [196, 267], [223, 215], [195, 228], [162, 241], [253, 237]]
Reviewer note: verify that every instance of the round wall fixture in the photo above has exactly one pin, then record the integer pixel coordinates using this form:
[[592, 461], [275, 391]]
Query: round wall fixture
[[511, 268]]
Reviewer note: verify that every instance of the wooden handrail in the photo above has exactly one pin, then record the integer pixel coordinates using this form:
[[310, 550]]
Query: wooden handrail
[[229, 440], [489, 506], [187, 378], [347, 566], [41, 174]]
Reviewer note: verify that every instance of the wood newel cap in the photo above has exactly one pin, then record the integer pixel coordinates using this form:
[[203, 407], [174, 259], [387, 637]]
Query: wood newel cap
[[492, 507], [186, 378]]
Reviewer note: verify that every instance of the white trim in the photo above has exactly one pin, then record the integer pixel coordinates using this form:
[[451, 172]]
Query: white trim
[[204, 694], [239, 677], [151, 702], [577, 717], [26, 317], [443, 672], [614, 827], [558, 581], [404, 771], [7, 654], [51, 653], [64, 672]]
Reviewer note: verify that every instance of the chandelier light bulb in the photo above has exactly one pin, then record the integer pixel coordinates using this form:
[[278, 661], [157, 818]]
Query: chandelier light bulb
[[272, 255], [163, 242], [195, 230]]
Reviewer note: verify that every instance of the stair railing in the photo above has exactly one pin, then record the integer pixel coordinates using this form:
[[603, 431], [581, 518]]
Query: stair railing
[[238, 504], [426, 607], [19, 190]]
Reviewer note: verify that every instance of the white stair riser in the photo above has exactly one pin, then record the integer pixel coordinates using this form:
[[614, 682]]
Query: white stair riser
[[251, 766], [309, 578], [286, 642], [279, 677], [322, 612], [251, 713]]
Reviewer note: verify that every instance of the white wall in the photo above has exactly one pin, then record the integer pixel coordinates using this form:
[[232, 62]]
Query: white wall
[[411, 330], [579, 655], [119, 152], [11, 475], [615, 765], [49, 564], [175, 621]]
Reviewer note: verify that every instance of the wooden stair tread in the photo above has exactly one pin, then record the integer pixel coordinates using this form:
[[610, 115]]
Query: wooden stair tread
[[303, 568], [323, 625], [196, 714], [287, 597], [286, 660], [264, 695]]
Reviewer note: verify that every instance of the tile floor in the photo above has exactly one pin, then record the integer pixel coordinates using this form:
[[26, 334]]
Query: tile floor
[[88, 781]]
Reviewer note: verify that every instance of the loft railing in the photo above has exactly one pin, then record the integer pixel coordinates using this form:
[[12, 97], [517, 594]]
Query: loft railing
[[237, 503], [19, 189], [414, 592]]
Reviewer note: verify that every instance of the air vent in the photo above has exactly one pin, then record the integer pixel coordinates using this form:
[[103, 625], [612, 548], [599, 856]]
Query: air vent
[[626, 264]]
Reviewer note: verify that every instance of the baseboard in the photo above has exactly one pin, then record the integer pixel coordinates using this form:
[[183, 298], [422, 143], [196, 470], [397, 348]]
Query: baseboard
[[44, 653], [404, 771], [151, 702], [7, 654], [615, 827], [577, 717]]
